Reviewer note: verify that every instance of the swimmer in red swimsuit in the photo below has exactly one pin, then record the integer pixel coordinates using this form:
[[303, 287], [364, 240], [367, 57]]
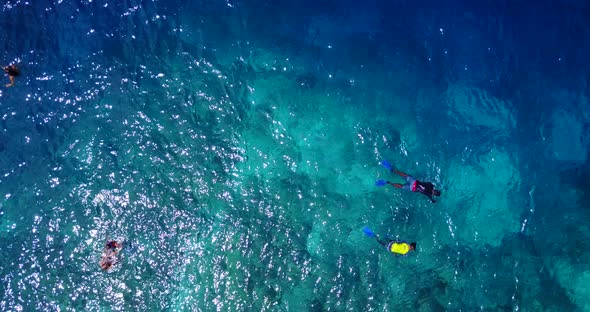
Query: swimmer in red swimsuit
[[12, 72], [411, 184], [109, 255]]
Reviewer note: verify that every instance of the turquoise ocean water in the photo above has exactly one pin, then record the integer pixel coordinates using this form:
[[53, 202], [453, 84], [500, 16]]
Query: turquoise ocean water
[[233, 146]]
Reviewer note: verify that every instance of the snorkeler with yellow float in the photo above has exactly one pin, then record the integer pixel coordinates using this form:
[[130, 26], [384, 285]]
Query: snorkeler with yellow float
[[394, 246]]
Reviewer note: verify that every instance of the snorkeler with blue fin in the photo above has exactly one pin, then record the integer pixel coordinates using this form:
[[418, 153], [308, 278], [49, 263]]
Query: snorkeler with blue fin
[[411, 184], [396, 247]]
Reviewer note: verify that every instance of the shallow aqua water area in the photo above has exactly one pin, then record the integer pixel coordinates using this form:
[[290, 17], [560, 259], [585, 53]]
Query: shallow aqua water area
[[233, 148]]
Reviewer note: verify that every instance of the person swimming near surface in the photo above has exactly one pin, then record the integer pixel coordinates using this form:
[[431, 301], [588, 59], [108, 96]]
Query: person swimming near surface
[[394, 246], [109, 255], [412, 184], [12, 72]]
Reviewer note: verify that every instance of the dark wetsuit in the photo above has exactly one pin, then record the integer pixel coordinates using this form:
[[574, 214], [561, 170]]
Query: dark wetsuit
[[112, 245], [425, 188], [11, 71]]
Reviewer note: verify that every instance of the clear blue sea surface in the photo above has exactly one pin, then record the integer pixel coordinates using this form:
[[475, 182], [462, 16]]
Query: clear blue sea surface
[[233, 147]]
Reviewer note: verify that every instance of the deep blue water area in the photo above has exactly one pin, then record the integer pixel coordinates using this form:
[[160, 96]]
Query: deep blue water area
[[233, 147]]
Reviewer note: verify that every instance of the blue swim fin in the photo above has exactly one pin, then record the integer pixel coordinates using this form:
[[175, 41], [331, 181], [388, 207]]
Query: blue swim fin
[[368, 232], [386, 165], [380, 182]]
